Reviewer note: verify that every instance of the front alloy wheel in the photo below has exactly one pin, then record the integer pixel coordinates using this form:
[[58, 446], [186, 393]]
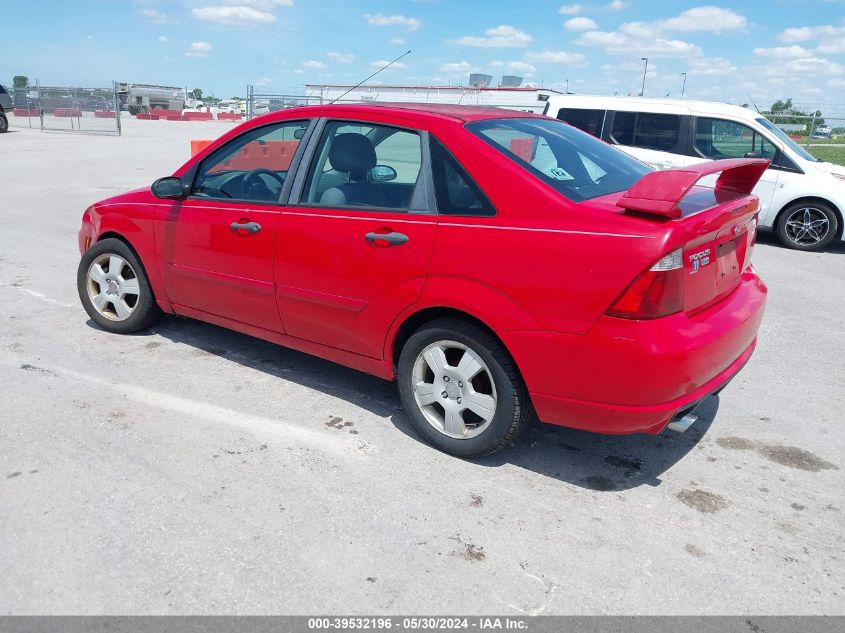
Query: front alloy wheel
[[113, 288]]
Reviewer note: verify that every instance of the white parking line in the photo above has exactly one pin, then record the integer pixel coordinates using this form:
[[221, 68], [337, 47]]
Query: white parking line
[[41, 297], [257, 425]]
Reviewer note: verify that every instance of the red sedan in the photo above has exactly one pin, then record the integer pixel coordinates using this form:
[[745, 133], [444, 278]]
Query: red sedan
[[491, 261]]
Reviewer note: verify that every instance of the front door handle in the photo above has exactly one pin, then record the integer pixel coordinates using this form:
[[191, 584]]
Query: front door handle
[[249, 227], [386, 239]]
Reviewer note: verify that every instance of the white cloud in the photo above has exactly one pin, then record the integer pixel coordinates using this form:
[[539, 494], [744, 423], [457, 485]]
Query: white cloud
[[396, 41], [806, 33], [620, 43], [163, 38], [616, 5], [198, 49], [711, 67], [412, 24], [342, 58], [381, 63], [834, 47], [233, 15], [266, 4], [457, 67], [783, 52], [152, 15], [570, 9], [709, 19], [521, 67], [313, 64], [556, 57], [261, 83], [580, 24], [502, 36]]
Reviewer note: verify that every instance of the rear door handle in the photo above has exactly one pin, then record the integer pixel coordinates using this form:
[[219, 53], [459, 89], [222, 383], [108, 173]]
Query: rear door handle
[[249, 227], [392, 239]]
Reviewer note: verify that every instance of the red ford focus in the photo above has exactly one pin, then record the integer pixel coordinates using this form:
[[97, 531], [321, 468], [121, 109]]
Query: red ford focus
[[491, 261]]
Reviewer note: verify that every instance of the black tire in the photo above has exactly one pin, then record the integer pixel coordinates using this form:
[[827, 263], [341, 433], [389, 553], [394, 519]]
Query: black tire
[[145, 311], [4, 123], [513, 407], [806, 241]]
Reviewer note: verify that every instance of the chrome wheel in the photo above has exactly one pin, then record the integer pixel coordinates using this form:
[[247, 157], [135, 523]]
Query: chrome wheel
[[807, 226], [454, 389], [113, 287]]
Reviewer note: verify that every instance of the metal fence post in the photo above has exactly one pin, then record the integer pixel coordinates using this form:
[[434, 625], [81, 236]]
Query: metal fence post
[[811, 129], [39, 102], [116, 108]]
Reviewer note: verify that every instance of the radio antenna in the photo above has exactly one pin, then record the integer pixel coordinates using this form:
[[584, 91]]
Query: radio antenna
[[752, 102], [363, 81]]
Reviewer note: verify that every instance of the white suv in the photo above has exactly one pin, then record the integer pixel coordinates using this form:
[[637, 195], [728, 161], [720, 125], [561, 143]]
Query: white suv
[[801, 197]]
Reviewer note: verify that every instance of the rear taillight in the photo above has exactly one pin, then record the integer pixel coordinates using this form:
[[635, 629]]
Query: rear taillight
[[752, 228], [656, 293]]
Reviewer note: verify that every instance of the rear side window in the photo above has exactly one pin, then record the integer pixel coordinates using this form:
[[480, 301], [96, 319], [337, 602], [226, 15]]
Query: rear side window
[[589, 121], [2, 90], [456, 192], [648, 130], [572, 162]]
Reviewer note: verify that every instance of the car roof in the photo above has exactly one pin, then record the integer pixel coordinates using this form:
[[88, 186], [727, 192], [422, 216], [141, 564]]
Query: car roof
[[421, 111], [645, 104]]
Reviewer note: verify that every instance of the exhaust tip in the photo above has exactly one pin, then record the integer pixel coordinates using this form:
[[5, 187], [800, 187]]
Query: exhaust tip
[[682, 424]]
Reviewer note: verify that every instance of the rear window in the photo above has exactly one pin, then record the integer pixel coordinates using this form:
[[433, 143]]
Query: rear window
[[2, 90], [574, 163], [590, 121], [646, 129]]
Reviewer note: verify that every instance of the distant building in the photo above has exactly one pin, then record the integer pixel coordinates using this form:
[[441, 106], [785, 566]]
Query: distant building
[[527, 99]]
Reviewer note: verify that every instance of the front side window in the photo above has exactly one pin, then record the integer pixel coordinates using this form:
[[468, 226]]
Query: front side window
[[590, 121], [456, 192], [648, 130], [574, 163], [253, 166], [718, 138], [364, 165]]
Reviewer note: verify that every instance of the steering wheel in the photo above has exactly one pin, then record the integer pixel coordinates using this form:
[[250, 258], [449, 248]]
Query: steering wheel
[[254, 187]]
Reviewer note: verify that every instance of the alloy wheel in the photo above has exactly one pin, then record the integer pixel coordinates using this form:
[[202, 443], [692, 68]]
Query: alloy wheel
[[454, 389], [807, 226], [113, 287]]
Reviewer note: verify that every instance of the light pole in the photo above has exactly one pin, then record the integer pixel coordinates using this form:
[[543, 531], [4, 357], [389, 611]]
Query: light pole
[[645, 70], [567, 86], [684, 85]]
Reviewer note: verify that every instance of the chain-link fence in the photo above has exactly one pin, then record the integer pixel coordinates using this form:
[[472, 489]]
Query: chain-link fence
[[822, 136], [258, 103], [92, 110]]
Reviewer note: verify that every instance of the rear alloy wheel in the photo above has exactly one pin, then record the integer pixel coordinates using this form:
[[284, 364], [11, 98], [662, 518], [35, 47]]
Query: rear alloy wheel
[[461, 389], [4, 123], [114, 290], [807, 226]]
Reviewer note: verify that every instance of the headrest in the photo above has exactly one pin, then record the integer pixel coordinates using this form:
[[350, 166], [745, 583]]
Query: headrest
[[352, 153]]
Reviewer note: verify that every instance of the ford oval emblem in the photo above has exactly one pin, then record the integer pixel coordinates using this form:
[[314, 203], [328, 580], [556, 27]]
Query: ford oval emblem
[[737, 229]]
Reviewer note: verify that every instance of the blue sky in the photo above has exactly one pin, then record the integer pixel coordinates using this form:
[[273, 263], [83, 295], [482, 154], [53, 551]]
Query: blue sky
[[770, 49]]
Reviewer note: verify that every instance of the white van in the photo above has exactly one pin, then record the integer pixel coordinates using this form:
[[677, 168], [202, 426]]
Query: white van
[[802, 198]]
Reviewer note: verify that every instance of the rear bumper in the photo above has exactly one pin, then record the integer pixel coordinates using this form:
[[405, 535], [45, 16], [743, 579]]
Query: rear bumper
[[627, 376]]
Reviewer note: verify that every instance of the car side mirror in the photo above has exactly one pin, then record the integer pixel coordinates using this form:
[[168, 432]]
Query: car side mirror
[[382, 173], [169, 187]]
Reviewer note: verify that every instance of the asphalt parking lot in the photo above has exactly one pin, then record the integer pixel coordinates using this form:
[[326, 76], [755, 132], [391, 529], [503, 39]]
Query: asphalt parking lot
[[194, 470]]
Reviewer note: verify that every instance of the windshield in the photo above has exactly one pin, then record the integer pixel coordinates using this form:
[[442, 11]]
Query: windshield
[[574, 163], [784, 138]]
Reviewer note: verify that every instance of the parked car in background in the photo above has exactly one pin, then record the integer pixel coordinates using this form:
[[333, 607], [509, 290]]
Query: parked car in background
[[491, 261], [801, 197], [6, 107], [823, 131]]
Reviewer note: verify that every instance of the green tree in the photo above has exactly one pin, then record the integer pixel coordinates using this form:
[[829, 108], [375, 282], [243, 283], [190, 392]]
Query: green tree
[[196, 93], [20, 82]]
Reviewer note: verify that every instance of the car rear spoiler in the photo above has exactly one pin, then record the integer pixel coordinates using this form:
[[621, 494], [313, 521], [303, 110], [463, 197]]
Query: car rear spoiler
[[660, 192]]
